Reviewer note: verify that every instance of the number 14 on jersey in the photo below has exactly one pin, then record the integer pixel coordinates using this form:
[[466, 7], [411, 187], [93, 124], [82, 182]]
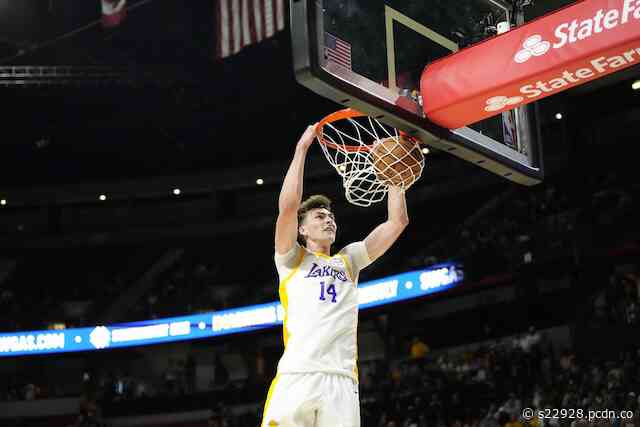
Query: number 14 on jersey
[[330, 290]]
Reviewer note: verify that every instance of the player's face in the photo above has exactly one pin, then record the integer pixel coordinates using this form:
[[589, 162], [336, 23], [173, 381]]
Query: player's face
[[319, 225]]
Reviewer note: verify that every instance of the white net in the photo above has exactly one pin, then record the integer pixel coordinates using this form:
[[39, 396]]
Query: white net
[[369, 156]]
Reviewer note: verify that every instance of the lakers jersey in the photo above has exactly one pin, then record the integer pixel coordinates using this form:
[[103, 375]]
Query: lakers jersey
[[319, 295]]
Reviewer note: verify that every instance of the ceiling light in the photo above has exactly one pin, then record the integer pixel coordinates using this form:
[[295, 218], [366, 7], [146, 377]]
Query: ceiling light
[[103, 197], [259, 181], [559, 116], [636, 85], [425, 150], [176, 191], [3, 202]]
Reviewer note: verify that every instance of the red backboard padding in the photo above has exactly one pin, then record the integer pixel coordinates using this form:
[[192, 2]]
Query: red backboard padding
[[574, 45]]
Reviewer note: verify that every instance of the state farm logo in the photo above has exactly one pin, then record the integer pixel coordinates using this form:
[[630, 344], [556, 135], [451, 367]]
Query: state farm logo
[[497, 103], [581, 29], [533, 46]]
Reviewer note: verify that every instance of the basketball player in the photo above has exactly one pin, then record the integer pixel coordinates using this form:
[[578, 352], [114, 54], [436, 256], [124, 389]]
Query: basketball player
[[317, 380]]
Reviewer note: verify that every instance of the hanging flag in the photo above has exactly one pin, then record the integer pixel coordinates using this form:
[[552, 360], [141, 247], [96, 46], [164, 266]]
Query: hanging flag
[[240, 23], [113, 12], [337, 51]]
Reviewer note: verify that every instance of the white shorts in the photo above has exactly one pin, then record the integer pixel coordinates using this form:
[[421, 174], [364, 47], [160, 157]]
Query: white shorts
[[312, 400]]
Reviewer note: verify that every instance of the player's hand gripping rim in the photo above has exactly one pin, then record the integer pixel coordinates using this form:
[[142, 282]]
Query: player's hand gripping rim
[[308, 136]]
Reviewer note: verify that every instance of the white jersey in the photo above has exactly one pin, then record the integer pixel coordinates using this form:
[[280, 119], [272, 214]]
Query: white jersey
[[320, 297]]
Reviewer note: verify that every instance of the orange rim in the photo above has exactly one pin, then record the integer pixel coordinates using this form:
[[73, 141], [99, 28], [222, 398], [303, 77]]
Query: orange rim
[[348, 113]]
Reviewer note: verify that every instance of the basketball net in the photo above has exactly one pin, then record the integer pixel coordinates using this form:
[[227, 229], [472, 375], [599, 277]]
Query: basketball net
[[350, 142]]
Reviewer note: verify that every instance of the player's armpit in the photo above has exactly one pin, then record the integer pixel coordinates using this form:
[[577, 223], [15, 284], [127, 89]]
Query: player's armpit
[[289, 259], [357, 256]]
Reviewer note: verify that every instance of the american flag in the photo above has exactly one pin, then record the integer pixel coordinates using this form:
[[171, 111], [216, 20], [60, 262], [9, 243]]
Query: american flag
[[240, 23], [337, 51]]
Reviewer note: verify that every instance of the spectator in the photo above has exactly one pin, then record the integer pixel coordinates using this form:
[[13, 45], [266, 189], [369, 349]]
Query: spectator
[[514, 421], [530, 340], [215, 420], [418, 349]]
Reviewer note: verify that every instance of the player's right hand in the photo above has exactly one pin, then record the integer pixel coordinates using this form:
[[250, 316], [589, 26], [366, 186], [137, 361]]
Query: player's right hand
[[308, 136]]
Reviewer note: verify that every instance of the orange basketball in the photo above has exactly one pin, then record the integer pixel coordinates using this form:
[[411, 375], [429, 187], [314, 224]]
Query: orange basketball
[[397, 162]]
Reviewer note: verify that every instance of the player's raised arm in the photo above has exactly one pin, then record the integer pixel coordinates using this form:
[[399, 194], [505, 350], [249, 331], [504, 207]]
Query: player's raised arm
[[291, 195], [384, 236]]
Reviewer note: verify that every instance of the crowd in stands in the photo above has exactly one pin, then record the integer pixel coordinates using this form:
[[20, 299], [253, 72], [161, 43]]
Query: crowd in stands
[[486, 384], [186, 288], [552, 218], [70, 287], [491, 384], [618, 303], [524, 365]]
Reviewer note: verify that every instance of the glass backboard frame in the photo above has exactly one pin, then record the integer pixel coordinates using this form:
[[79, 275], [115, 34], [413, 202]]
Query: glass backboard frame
[[351, 89]]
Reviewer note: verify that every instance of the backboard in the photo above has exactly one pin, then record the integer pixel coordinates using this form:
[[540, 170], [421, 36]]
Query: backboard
[[369, 55]]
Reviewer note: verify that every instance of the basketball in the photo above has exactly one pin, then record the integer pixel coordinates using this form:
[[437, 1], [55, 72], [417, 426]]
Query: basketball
[[397, 162]]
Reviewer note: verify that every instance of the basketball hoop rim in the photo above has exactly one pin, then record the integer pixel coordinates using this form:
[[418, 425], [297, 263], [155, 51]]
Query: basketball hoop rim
[[344, 114]]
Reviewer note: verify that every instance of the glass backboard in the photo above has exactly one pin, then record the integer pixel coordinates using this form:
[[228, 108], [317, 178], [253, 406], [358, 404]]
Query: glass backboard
[[370, 54]]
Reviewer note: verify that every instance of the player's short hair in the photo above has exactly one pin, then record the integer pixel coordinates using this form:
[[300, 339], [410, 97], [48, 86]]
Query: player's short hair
[[317, 201]]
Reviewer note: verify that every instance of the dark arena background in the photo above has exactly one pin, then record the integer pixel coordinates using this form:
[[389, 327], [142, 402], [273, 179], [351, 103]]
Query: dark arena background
[[140, 168]]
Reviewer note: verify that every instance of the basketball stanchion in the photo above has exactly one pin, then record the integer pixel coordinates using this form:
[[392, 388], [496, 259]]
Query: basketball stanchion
[[369, 155]]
